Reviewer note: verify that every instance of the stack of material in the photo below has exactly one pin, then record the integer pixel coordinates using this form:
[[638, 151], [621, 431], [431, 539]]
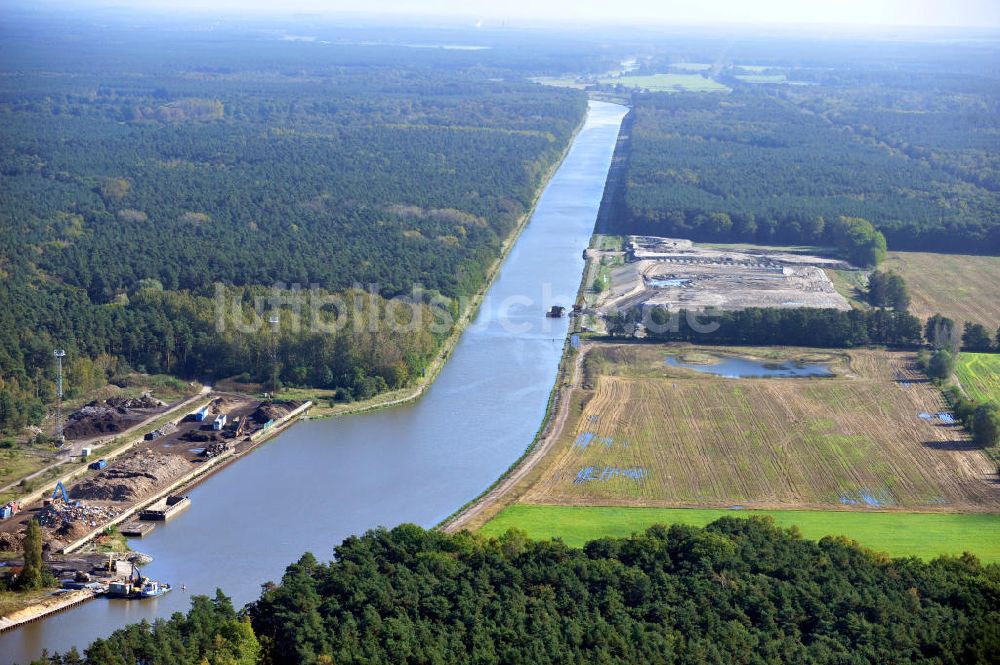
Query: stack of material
[[95, 420], [132, 477], [114, 415], [74, 519], [145, 402], [169, 428], [10, 542], [215, 449], [273, 411]]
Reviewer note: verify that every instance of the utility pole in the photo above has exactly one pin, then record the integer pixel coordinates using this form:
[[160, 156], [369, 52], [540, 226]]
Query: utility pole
[[275, 327], [59, 355]]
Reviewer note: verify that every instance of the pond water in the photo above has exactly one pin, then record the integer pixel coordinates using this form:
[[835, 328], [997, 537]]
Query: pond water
[[735, 367], [663, 282]]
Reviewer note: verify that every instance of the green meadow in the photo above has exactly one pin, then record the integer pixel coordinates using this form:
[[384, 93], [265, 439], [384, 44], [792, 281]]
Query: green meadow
[[979, 374], [899, 534]]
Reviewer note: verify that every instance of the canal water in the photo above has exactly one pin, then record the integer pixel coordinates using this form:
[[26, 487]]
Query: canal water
[[323, 480]]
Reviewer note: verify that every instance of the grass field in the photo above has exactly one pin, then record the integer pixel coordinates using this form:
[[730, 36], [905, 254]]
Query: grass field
[[959, 286], [669, 83], [899, 534], [979, 374], [642, 433], [852, 284]]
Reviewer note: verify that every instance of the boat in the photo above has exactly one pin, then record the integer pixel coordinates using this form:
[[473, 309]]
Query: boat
[[165, 508], [136, 585], [153, 589]]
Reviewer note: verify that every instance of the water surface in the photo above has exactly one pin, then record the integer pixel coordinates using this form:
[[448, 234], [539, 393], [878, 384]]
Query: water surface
[[734, 367], [326, 479]]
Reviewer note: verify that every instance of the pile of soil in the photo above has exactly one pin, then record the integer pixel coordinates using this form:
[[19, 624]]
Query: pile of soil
[[95, 420], [71, 531], [273, 411], [112, 416], [195, 436], [131, 477], [222, 404], [144, 402], [10, 542]]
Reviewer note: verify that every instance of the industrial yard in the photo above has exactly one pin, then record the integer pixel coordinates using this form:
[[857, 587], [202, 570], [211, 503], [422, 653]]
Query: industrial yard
[[677, 274], [111, 491], [129, 493]]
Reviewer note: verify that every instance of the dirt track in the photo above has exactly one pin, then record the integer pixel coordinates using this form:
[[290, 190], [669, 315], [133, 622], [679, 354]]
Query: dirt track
[[487, 505]]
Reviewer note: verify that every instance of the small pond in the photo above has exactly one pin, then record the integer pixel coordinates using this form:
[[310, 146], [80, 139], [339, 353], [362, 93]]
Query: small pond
[[664, 282], [733, 367]]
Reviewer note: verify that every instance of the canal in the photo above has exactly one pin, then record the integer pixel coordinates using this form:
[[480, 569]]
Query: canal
[[323, 480]]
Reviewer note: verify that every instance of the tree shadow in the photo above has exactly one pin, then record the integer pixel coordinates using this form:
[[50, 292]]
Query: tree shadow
[[959, 445]]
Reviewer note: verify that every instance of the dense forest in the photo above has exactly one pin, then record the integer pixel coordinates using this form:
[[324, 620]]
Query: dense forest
[[795, 326], [913, 152], [736, 591], [133, 186]]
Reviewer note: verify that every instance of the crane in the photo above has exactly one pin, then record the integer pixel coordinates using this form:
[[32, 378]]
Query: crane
[[60, 490]]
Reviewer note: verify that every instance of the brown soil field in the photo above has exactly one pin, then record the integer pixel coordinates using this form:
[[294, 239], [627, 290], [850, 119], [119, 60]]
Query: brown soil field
[[644, 433], [959, 286]]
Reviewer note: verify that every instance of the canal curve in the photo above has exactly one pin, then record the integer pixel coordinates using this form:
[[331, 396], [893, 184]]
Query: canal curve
[[323, 480]]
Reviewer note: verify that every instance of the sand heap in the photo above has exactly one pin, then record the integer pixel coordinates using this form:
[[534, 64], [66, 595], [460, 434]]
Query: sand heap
[[132, 477]]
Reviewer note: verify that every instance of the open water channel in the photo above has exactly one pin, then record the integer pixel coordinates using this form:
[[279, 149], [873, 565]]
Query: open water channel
[[323, 480]]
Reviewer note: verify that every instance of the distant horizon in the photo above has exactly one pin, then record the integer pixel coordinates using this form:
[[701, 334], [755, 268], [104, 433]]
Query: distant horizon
[[856, 15]]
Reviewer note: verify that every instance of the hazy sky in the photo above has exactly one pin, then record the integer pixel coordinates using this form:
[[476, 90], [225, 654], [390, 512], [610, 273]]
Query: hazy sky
[[977, 13]]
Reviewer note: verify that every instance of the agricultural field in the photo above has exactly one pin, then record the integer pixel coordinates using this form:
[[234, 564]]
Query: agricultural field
[[642, 433], [979, 374], [959, 286], [925, 535], [669, 83]]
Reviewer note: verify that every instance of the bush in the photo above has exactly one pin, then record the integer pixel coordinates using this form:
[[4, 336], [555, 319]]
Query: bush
[[941, 365], [986, 425]]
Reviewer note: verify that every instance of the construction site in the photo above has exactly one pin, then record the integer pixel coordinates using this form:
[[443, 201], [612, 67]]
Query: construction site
[[114, 491], [675, 274], [129, 490]]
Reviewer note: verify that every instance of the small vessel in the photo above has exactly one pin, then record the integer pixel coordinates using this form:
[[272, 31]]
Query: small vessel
[[153, 589], [165, 508], [136, 585]]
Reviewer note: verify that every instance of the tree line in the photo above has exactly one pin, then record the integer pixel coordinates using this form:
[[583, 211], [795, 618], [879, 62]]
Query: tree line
[[781, 166], [798, 326], [980, 418], [738, 590]]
